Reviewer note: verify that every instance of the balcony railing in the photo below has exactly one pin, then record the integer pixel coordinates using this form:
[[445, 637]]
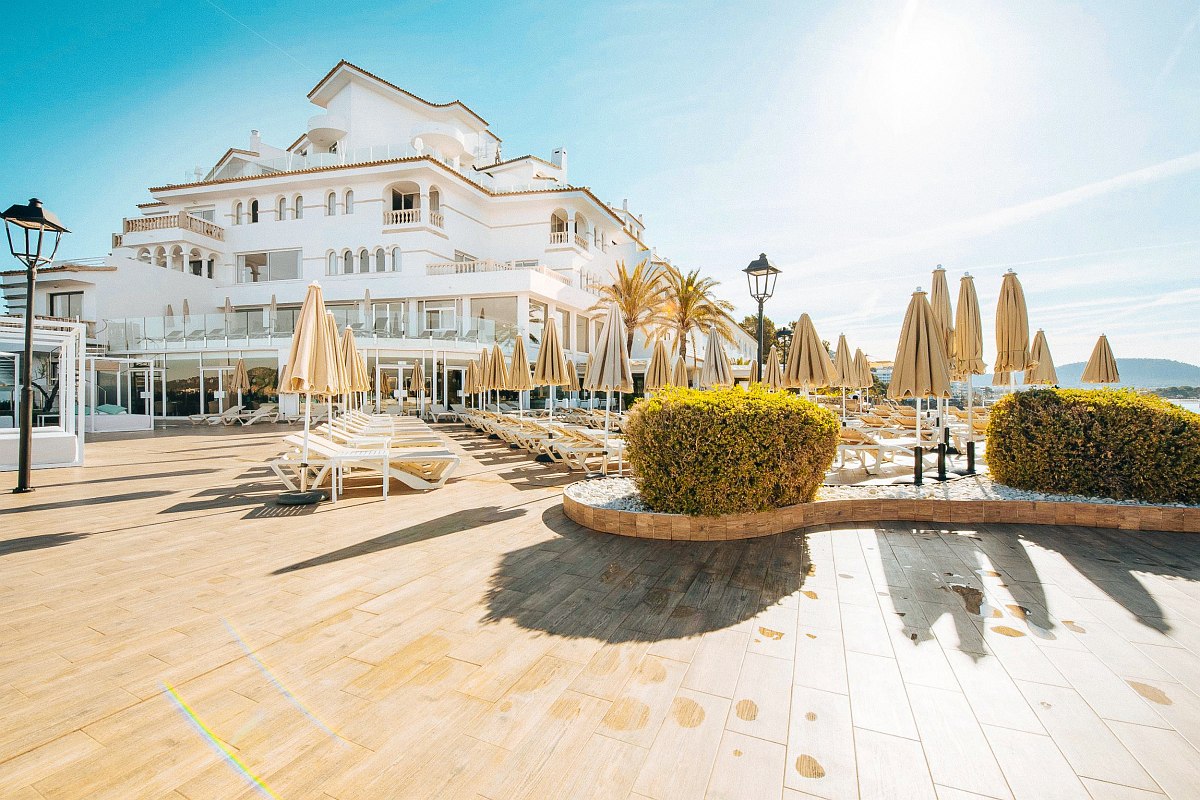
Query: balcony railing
[[581, 241], [487, 265], [436, 218], [182, 220], [407, 216], [559, 237]]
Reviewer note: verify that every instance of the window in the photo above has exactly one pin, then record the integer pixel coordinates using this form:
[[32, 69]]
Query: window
[[364, 260], [298, 208], [395, 259], [331, 204], [380, 260], [583, 339], [253, 211], [537, 320], [493, 319], [277, 265], [438, 315], [66, 305], [388, 318], [349, 206], [237, 213], [207, 214], [331, 264], [460, 256], [281, 209], [347, 263]]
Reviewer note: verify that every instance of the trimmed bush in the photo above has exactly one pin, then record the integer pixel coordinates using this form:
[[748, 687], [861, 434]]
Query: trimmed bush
[[1096, 442], [729, 450]]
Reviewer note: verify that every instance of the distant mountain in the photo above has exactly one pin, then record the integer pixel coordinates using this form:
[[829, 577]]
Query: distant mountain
[[1141, 373]]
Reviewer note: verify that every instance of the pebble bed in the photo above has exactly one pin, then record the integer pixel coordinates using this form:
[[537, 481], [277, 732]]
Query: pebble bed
[[621, 494]]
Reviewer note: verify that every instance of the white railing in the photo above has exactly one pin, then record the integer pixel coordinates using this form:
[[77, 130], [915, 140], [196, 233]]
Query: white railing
[[182, 220], [436, 218], [407, 216], [581, 241], [559, 237], [488, 265]]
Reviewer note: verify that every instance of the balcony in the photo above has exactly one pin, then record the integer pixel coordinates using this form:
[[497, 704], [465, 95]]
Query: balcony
[[559, 237], [407, 216], [181, 227], [487, 265], [581, 241], [182, 220]]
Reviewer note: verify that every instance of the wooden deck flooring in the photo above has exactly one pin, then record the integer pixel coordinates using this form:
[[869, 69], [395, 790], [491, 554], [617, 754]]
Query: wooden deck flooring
[[166, 632]]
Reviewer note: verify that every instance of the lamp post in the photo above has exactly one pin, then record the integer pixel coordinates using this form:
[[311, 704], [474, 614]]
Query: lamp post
[[31, 223], [784, 335], [760, 277]]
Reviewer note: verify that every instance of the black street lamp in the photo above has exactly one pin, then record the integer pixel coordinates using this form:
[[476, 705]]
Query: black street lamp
[[31, 223], [760, 277], [784, 335]]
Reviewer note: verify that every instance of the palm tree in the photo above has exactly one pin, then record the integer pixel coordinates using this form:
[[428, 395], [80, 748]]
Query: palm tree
[[691, 305], [638, 294]]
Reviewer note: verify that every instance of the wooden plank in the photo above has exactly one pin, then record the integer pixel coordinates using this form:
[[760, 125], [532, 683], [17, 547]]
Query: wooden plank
[[891, 767], [682, 755], [956, 750], [762, 699], [820, 746], [1033, 766], [877, 696], [747, 766]]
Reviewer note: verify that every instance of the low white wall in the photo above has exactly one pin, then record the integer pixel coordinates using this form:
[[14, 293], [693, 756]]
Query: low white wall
[[52, 447]]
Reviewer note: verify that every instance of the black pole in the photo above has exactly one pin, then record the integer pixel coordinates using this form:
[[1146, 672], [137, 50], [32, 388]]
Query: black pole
[[760, 332], [918, 467], [970, 458], [25, 451], [941, 462]]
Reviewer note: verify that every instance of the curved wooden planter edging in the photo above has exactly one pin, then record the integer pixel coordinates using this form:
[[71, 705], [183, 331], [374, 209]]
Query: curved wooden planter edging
[[649, 525]]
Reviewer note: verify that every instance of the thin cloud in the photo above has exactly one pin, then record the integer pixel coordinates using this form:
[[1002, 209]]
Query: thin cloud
[[1177, 53], [994, 221]]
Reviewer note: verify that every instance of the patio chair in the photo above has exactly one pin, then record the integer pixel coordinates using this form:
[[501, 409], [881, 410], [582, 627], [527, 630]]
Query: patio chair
[[417, 468], [267, 411], [858, 443]]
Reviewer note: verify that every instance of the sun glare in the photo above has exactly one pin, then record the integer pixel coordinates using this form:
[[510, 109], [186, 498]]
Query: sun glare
[[927, 73]]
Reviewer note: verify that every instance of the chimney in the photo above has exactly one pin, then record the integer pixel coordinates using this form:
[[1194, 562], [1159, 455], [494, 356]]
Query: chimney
[[559, 159], [198, 173], [625, 205], [255, 142]]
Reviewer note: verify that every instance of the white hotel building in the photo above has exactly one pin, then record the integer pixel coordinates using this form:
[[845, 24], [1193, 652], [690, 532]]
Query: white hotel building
[[426, 240]]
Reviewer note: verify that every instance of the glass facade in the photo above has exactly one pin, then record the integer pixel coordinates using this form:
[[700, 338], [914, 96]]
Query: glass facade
[[537, 320], [493, 318], [277, 265]]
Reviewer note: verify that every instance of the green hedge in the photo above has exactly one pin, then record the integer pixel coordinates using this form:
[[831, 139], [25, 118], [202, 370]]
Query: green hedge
[[1096, 442], [728, 451]]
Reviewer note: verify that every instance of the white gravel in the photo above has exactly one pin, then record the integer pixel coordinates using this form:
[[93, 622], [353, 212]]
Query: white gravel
[[621, 493]]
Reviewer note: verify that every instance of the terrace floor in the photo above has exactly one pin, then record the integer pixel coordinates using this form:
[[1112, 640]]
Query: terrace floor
[[166, 632]]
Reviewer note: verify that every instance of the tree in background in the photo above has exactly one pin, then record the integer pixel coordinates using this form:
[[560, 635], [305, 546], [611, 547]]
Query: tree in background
[[692, 307], [638, 294]]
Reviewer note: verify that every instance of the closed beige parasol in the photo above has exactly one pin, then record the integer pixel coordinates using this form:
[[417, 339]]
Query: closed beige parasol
[[808, 366], [717, 371], [1102, 366], [1044, 373]]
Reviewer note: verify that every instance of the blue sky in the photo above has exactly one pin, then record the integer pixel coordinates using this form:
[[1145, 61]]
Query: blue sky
[[857, 143]]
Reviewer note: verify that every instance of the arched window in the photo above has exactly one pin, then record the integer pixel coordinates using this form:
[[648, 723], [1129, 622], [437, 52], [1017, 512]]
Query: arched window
[[364, 260], [281, 209], [160, 257], [144, 255], [237, 213], [380, 264], [330, 204], [331, 264], [347, 263], [395, 259], [435, 199], [349, 205], [298, 208], [253, 211]]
